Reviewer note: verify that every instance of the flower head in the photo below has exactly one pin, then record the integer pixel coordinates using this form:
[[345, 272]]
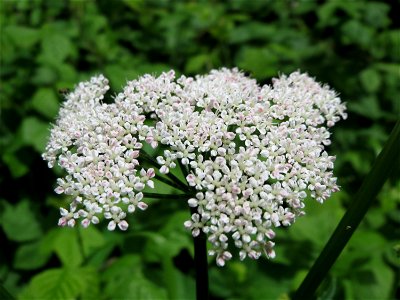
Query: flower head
[[252, 153]]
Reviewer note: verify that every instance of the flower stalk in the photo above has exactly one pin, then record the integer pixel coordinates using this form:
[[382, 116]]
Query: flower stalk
[[380, 172], [201, 265]]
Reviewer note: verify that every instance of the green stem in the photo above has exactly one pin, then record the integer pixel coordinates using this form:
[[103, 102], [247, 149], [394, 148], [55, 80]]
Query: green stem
[[201, 264], [170, 183], [167, 196], [365, 196], [174, 179]]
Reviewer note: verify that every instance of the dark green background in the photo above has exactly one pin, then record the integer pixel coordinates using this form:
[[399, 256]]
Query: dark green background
[[354, 46]]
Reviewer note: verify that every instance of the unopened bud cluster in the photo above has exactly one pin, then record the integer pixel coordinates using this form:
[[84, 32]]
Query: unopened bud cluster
[[251, 153]]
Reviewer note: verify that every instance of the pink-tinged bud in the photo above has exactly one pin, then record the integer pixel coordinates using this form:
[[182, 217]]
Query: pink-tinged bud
[[123, 225], [62, 222], [85, 223], [142, 205]]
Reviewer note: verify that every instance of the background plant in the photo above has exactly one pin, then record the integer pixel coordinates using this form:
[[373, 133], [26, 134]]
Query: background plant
[[47, 46]]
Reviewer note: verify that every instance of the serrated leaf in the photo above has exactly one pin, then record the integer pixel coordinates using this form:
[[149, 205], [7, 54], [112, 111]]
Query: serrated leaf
[[30, 257], [91, 238], [45, 101], [124, 277], [19, 222], [60, 284], [55, 48], [66, 245], [22, 36]]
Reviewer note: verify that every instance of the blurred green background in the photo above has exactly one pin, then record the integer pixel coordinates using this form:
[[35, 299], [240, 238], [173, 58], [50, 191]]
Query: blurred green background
[[354, 46]]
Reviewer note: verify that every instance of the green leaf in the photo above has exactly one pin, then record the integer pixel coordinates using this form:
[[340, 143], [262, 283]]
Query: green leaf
[[171, 239], [92, 239], [261, 62], [251, 31], [19, 222], [22, 36], [34, 133], [66, 245], [55, 48], [371, 80], [354, 32], [45, 101], [30, 256], [124, 278], [196, 63], [318, 223], [368, 106], [377, 14], [119, 75], [64, 283], [44, 76], [375, 281], [15, 165]]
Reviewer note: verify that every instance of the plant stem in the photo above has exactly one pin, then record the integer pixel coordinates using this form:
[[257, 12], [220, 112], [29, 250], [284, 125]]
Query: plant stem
[[365, 196], [173, 179], [201, 264], [169, 182]]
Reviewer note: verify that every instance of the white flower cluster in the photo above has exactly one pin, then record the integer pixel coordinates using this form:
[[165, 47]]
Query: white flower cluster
[[251, 154]]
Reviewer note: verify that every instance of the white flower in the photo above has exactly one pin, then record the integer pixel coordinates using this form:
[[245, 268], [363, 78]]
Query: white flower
[[252, 154]]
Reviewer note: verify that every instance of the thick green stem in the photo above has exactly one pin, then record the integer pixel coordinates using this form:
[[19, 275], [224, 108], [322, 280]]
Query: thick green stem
[[201, 264], [384, 164]]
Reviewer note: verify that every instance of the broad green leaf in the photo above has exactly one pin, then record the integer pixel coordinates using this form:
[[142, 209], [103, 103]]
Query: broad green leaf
[[30, 256], [375, 281], [142, 288], [45, 102], [55, 48], [122, 267], [172, 238], [34, 133], [19, 222], [92, 239], [64, 283], [124, 279], [22, 36], [68, 248], [319, 222]]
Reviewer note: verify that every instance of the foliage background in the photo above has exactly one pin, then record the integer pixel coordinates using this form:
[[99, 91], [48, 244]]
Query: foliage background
[[353, 45]]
